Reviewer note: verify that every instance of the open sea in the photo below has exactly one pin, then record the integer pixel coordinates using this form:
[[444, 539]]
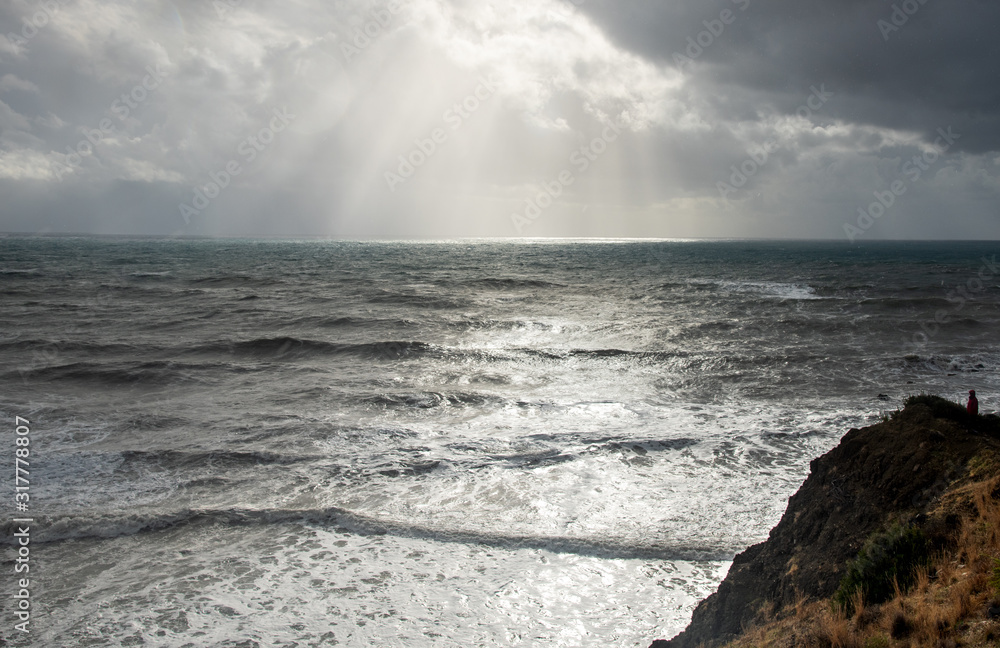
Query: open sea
[[449, 444]]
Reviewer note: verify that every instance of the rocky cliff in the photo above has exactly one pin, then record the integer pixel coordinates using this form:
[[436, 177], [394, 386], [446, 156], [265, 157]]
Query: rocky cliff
[[894, 471]]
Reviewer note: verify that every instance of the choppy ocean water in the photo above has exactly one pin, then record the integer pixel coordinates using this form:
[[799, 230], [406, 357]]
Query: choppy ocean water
[[239, 443]]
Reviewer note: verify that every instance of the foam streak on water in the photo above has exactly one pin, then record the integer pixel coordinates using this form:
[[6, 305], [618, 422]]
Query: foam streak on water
[[497, 444]]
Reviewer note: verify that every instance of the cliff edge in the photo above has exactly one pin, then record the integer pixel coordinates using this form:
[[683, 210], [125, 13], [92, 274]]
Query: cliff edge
[[892, 472]]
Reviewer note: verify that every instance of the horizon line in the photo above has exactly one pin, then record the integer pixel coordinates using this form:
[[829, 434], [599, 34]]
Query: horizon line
[[474, 239]]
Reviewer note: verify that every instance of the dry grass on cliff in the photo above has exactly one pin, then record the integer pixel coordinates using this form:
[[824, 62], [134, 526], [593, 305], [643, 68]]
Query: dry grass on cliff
[[946, 608]]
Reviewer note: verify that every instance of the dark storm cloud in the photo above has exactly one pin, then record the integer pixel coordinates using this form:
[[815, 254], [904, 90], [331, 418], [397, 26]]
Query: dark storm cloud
[[914, 64], [841, 104]]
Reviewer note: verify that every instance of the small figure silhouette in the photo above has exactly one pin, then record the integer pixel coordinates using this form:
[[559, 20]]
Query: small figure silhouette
[[973, 407]]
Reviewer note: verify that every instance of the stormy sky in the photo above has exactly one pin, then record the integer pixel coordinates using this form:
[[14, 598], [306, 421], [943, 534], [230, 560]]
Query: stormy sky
[[849, 119]]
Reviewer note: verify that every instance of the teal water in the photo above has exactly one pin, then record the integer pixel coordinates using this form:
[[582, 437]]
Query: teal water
[[436, 444]]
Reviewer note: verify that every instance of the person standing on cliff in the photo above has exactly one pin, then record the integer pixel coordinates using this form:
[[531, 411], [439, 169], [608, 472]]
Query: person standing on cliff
[[973, 407]]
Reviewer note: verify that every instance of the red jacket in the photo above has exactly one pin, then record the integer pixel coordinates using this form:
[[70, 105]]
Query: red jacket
[[973, 407]]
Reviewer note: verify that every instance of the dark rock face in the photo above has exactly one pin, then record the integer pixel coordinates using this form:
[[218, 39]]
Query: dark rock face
[[894, 469]]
